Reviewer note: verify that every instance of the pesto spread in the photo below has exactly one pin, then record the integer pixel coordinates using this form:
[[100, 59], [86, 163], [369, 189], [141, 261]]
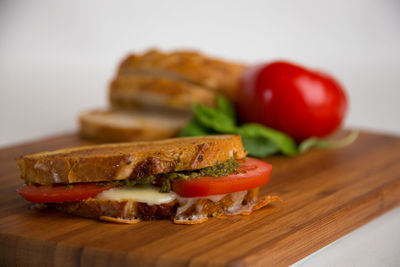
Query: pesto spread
[[164, 180]]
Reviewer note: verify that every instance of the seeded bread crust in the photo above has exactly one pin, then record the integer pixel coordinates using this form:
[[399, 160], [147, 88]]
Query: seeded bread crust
[[128, 160], [220, 76], [117, 125], [142, 90]]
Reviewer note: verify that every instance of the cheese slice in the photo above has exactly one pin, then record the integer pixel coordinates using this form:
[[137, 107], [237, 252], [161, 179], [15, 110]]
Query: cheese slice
[[144, 193]]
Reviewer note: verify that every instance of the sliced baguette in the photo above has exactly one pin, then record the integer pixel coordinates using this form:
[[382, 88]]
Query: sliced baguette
[[220, 76], [117, 125], [141, 90], [128, 160]]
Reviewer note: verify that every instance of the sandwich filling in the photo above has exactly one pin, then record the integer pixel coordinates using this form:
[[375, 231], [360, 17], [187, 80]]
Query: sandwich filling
[[163, 181], [141, 193]]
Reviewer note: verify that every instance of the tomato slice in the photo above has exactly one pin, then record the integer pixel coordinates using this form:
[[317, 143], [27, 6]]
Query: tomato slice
[[60, 193], [251, 173]]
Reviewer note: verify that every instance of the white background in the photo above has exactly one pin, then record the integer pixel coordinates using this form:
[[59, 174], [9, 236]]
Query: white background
[[57, 58]]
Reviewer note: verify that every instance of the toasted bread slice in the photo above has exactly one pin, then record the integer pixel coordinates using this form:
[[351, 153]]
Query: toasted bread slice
[[217, 75], [128, 160], [181, 211], [142, 90], [117, 125]]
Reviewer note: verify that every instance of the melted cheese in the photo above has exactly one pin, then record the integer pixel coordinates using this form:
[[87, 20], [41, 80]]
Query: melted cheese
[[150, 195], [197, 215], [146, 194]]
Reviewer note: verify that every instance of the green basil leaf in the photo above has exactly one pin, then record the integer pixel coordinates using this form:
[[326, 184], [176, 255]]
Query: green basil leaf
[[194, 128], [259, 147], [285, 144], [214, 119], [315, 142], [226, 107]]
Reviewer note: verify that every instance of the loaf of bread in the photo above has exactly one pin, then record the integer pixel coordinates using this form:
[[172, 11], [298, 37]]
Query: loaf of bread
[[126, 125], [151, 87], [220, 76], [147, 91]]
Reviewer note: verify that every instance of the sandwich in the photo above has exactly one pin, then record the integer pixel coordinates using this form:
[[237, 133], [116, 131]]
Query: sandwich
[[186, 180]]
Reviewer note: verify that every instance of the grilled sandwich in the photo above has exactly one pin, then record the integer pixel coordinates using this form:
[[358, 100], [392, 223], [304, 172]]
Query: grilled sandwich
[[186, 180]]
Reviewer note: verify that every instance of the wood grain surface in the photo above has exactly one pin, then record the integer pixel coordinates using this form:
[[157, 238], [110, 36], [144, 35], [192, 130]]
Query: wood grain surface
[[326, 193]]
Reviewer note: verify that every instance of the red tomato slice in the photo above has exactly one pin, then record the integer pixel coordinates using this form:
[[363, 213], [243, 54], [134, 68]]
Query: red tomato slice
[[251, 173], [60, 193]]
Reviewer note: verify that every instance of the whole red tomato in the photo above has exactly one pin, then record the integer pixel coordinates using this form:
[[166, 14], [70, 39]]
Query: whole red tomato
[[292, 99]]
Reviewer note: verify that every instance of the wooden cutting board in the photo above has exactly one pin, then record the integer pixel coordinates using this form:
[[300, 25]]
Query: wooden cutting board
[[326, 193]]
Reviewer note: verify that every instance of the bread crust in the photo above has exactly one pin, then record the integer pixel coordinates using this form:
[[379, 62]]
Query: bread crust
[[114, 125], [127, 209], [142, 90], [220, 76], [133, 212], [128, 160]]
